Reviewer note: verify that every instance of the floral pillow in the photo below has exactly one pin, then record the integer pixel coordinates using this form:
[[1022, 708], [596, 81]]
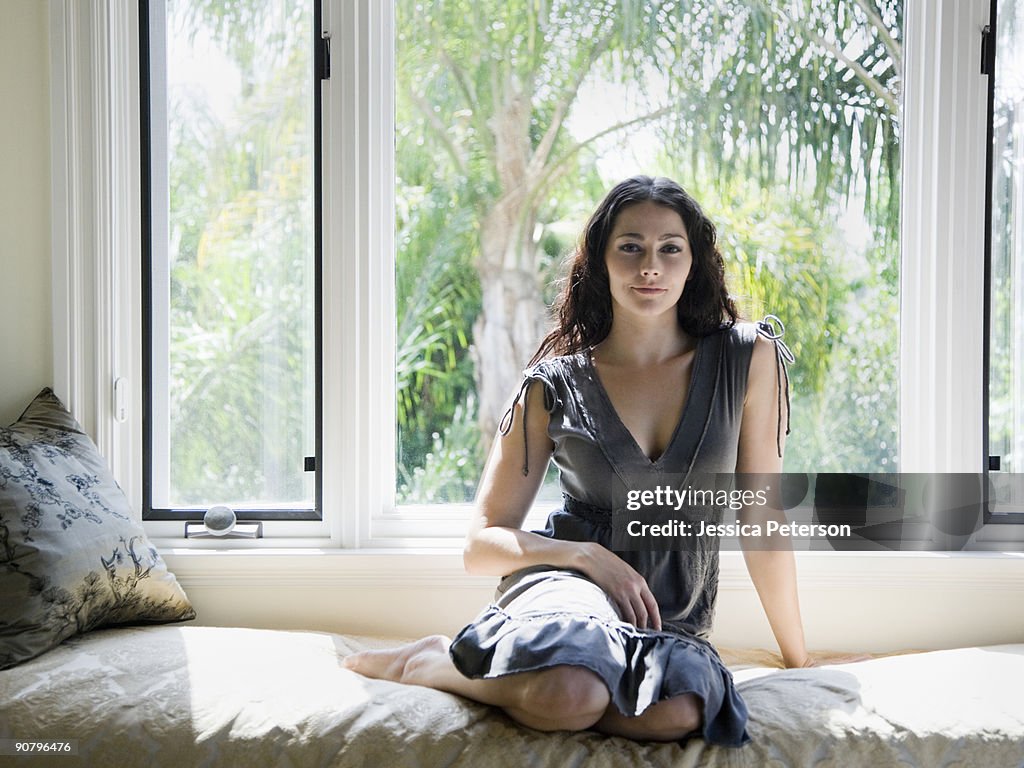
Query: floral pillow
[[72, 557]]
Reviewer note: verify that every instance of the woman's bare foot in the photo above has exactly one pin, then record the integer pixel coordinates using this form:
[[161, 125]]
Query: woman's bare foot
[[398, 664]]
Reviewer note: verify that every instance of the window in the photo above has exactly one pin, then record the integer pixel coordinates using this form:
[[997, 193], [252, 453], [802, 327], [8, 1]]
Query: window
[[231, 277]]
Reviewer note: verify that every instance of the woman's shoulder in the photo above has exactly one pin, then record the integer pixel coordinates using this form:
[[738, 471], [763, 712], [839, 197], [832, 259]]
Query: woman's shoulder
[[752, 347], [743, 334], [556, 367], [556, 374], [736, 339]]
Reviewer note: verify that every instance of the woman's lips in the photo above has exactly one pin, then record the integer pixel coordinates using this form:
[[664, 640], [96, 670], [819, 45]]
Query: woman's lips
[[649, 290]]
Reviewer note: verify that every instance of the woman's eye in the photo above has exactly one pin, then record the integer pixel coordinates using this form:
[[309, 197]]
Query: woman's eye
[[670, 249], [630, 247]]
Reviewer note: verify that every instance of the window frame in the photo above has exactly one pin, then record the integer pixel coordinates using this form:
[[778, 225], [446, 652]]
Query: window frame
[[97, 150]]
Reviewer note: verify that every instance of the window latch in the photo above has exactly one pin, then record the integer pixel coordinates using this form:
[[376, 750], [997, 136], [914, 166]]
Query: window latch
[[120, 408], [988, 51], [325, 56]]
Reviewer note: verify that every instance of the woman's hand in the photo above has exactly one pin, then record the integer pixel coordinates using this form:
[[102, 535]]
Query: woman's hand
[[626, 588]]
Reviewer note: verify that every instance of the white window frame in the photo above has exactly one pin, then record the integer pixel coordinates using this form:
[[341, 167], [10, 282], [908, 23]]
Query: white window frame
[[96, 240]]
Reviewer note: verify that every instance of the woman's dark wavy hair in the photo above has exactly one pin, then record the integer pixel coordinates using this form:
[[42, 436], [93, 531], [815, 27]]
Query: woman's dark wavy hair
[[583, 310]]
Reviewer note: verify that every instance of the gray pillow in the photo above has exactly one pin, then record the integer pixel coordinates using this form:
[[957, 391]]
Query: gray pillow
[[72, 558]]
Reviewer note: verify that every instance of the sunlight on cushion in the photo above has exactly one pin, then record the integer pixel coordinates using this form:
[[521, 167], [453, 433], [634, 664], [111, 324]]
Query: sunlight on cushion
[[299, 673], [918, 695]]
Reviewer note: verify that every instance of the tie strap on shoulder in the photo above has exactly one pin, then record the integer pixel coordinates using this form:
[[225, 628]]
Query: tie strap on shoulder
[[505, 425], [772, 328]]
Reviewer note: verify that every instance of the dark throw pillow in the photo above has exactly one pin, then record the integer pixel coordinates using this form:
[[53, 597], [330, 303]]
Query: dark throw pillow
[[72, 558]]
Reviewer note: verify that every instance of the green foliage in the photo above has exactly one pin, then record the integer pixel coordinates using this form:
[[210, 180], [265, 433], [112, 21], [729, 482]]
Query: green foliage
[[449, 471], [438, 297], [241, 339], [803, 91]]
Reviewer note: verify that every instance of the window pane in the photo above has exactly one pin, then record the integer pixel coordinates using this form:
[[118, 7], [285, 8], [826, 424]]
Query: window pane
[[513, 119], [234, 254], [1006, 341]]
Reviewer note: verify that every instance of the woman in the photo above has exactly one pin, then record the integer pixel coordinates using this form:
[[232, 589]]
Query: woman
[[647, 373]]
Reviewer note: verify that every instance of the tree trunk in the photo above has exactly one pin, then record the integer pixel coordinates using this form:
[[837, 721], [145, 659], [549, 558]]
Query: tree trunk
[[512, 319]]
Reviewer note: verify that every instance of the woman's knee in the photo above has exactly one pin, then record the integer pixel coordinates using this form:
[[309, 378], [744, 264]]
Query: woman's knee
[[571, 697], [672, 719]]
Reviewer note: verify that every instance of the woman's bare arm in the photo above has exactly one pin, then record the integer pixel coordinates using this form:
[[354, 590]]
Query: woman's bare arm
[[496, 545], [771, 564]]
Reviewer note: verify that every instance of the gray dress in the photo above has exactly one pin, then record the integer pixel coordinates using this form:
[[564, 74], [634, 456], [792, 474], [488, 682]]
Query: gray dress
[[544, 616]]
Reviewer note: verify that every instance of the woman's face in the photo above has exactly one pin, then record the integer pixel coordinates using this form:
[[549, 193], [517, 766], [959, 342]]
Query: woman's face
[[648, 259]]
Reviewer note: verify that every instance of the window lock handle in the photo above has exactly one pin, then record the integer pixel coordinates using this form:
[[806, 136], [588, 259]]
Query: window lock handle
[[325, 55]]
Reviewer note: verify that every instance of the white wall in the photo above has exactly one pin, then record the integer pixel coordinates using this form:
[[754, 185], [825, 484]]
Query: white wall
[[26, 351]]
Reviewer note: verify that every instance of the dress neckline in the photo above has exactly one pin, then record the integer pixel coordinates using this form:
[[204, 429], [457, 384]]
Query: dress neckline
[[616, 420]]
